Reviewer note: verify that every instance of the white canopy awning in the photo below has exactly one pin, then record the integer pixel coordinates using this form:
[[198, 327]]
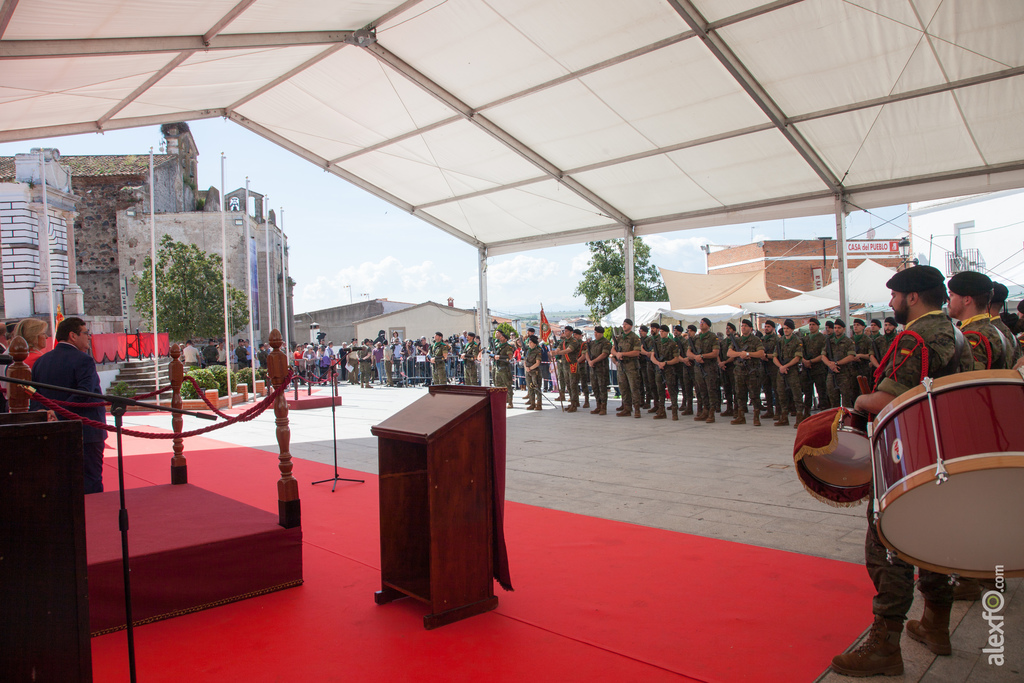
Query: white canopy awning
[[645, 312], [520, 124], [865, 285]]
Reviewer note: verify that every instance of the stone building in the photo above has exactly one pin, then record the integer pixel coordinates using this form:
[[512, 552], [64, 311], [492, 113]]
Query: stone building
[[805, 265], [107, 202], [338, 323]]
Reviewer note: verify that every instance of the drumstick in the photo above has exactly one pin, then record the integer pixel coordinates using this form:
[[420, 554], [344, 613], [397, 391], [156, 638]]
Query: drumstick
[[865, 388]]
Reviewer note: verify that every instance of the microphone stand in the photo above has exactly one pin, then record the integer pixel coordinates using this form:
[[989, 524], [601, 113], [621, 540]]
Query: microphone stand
[[334, 428], [118, 407]]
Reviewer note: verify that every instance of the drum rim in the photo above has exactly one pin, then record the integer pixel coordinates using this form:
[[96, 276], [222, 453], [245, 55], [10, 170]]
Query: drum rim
[[940, 569], [942, 385], [954, 466]]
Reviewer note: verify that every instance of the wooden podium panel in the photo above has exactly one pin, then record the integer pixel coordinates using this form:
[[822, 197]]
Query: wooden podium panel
[[44, 618], [436, 504]]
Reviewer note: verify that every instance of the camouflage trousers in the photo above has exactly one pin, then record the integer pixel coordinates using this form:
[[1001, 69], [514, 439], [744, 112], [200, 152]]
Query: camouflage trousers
[[503, 379], [894, 582], [599, 379], [789, 389], [353, 377], [562, 370], [472, 374], [771, 382], [388, 372], [533, 387], [707, 385], [629, 384], [584, 375], [728, 390], [573, 383], [646, 380], [841, 388], [666, 379], [684, 373], [439, 373], [748, 379], [365, 373], [817, 377]]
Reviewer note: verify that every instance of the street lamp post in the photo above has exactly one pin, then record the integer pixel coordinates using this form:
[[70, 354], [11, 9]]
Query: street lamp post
[[824, 259], [904, 247]]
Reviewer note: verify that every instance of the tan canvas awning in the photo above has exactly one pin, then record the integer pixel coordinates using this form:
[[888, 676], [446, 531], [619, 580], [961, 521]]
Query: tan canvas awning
[[690, 290]]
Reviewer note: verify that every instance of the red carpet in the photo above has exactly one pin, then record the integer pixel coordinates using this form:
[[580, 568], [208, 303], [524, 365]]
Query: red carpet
[[594, 600]]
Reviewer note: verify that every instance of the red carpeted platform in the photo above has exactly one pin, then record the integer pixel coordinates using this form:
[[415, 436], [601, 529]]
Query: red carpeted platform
[[594, 600], [189, 549]]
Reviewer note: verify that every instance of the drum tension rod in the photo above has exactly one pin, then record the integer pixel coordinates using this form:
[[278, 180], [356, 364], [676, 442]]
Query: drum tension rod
[[941, 475], [954, 579]]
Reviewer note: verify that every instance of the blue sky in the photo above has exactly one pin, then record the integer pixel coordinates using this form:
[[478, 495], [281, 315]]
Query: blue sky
[[344, 242]]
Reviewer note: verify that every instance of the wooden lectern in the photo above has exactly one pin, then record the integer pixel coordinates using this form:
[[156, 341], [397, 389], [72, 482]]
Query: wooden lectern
[[436, 503]]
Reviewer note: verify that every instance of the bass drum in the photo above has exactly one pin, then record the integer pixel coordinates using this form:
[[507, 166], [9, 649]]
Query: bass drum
[[966, 520], [838, 471]]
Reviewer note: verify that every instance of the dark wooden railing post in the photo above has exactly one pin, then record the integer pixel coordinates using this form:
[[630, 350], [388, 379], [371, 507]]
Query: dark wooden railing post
[[176, 371], [17, 395], [287, 487]]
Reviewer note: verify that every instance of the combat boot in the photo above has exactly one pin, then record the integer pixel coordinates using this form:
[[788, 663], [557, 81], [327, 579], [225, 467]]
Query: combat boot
[[878, 654], [800, 417], [586, 400], [739, 419], [768, 413], [652, 409], [571, 408], [933, 629], [624, 411], [675, 414], [701, 416], [597, 408], [561, 395], [783, 420], [604, 409], [660, 415], [688, 410], [728, 412], [711, 417], [636, 413], [757, 418]]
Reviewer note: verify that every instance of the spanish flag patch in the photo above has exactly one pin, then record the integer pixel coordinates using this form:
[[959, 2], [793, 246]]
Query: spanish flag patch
[[906, 352]]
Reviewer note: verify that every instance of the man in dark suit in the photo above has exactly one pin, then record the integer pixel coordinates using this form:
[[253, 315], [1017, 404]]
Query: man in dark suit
[[70, 365]]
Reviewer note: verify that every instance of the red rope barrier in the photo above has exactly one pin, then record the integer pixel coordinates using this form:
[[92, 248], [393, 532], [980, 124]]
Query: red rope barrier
[[202, 394], [104, 404], [250, 414]]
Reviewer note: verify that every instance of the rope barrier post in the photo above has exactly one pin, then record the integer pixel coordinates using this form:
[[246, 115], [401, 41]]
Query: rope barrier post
[[18, 396], [289, 514], [179, 468]]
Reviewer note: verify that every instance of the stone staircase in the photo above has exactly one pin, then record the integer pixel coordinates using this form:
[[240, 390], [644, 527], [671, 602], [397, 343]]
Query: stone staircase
[[139, 374]]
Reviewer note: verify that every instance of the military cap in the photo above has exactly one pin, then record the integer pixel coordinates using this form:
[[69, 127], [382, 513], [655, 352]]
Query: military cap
[[915, 279], [813, 320], [788, 322], [627, 321], [568, 328], [598, 329], [730, 326], [746, 322], [678, 328], [771, 322], [577, 330], [891, 320], [1020, 306], [643, 327], [970, 283], [706, 320], [876, 322], [999, 293], [829, 323], [858, 321], [693, 328], [838, 322]]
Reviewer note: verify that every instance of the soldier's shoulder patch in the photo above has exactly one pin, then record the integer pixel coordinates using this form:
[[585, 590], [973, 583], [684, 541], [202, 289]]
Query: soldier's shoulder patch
[[906, 352]]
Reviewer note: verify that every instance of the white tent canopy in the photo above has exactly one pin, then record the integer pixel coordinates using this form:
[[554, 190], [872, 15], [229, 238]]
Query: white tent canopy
[[520, 124], [866, 285], [645, 312]]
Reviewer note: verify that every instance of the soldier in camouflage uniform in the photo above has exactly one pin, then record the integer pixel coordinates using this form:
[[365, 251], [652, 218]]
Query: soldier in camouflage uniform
[[706, 356], [470, 354], [531, 365], [684, 369], [969, 296], [438, 356], [582, 367], [503, 354], [561, 363], [771, 371], [569, 351], [645, 368], [747, 354], [840, 357], [862, 347], [353, 360], [995, 309], [598, 351], [814, 370], [788, 354], [918, 295], [366, 364], [665, 359], [629, 377], [726, 370]]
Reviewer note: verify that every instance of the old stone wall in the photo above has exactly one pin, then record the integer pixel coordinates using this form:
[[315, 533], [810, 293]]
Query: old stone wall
[[96, 239]]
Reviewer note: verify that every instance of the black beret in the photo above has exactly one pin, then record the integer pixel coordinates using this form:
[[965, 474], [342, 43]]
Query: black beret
[[1020, 306], [999, 292], [643, 327], [970, 283], [666, 328], [892, 321], [829, 323], [678, 328], [770, 322], [568, 328], [692, 327], [788, 322], [577, 330], [747, 323], [839, 323], [876, 322], [858, 321], [813, 320], [598, 329], [706, 320], [915, 279], [730, 326], [627, 321]]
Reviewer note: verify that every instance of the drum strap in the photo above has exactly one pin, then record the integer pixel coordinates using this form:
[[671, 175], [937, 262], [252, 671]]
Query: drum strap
[[983, 340]]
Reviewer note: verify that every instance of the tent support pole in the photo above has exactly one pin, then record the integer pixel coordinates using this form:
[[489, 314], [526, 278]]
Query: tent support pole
[[484, 314], [627, 255], [844, 303]]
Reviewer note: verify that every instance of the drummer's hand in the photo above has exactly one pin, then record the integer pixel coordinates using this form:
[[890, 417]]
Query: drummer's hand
[[1019, 364], [873, 403]]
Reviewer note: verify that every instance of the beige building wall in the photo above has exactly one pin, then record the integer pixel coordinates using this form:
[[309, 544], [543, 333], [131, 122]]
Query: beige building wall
[[419, 321]]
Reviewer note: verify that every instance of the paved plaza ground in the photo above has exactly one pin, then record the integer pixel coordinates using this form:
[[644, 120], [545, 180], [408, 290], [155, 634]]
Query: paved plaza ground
[[722, 481]]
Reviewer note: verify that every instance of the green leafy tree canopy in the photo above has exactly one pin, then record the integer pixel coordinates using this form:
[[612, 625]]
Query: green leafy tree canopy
[[603, 285], [189, 293]]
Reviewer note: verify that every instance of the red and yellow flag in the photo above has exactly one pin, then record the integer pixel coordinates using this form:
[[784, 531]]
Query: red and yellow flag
[[59, 316], [545, 328]]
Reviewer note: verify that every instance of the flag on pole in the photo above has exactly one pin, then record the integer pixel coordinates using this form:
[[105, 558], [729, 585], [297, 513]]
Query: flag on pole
[[545, 328], [60, 315]]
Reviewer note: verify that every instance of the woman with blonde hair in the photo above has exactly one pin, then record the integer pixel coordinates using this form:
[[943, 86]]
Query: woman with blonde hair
[[35, 332]]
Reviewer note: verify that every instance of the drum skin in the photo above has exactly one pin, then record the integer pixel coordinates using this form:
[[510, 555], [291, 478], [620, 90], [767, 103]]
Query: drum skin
[[849, 465], [970, 524]]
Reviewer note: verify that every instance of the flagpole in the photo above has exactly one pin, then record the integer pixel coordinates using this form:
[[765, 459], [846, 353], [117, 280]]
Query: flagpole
[[266, 250], [224, 274], [45, 225], [248, 280], [152, 258], [284, 290]]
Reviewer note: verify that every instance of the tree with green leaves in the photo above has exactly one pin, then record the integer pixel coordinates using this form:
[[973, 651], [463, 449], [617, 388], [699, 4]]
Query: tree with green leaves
[[189, 293], [603, 286]]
